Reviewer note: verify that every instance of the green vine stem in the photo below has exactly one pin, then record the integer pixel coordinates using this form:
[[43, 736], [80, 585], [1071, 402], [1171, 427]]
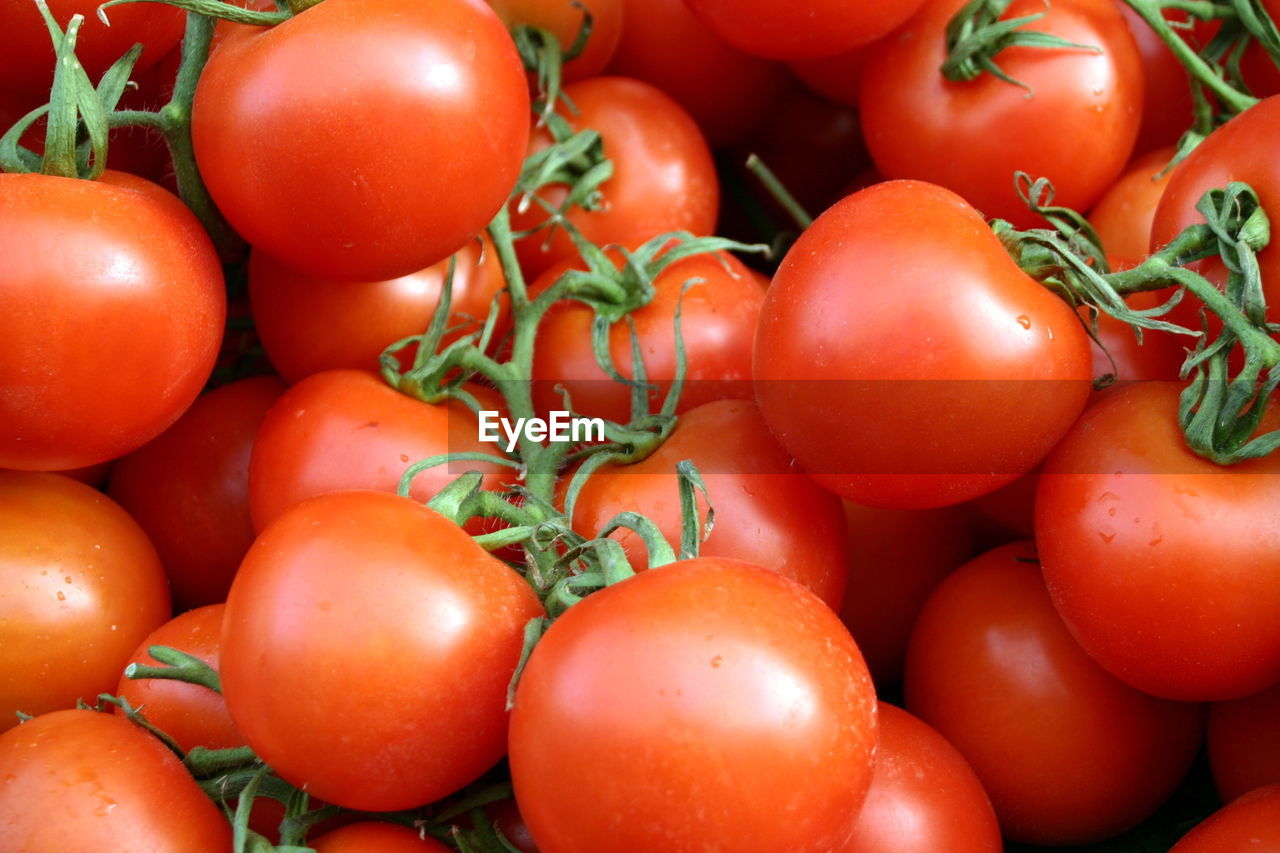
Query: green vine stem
[[177, 666], [977, 34]]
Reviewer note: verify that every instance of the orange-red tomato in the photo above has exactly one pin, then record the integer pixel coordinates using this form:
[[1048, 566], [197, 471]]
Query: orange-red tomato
[[1244, 743], [374, 837], [1248, 824]]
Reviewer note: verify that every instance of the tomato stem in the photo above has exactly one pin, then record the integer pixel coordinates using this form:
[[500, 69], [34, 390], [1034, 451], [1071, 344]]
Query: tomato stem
[[779, 191]]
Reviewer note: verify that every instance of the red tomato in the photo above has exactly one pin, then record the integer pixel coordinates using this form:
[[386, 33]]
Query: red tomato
[[1067, 753], [564, 18], [376, 166], [189, 488], [374, 837], [727, 92], [924, 796], [838, 77], [663, 177], [382, 688], [805, 29], [308, 324], [718, 323], [1124, 214], [1166, 104], [1251, 823], [896, 558], [190, 714], [81, 587], [82, 782], [707, 704], [111, 310], [1163, 564], [1077, 130], [27, 47], [1008, 513], [1244, 743], [766, 511], [347, 429], [903, 378]]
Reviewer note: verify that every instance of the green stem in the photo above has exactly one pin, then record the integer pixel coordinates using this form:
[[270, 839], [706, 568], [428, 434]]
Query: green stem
[[779, 191]]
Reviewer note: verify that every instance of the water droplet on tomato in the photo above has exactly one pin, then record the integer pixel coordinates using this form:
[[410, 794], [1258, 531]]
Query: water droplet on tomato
[[1024, 321], [716, 661]]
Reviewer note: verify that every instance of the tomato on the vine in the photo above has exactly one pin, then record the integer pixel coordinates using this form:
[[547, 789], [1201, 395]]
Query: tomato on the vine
[[805, 29], [564, 20]]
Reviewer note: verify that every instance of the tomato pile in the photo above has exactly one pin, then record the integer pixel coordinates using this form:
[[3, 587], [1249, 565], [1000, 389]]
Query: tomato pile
[[947, 519]]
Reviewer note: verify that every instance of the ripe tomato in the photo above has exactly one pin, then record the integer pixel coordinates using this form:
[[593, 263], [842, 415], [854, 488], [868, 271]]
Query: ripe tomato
[[81, 587], [563, 18], [111, 308], [1163, 564], [727, 92], [382, 688], [924, 796], [1067, 753], [81, 782], [1248, 824], [718, 323], [189, 488], [803, 30], [1078, 129], [347, 429], [1244, 743], [663, 177], [896, 558], [191, 714], [838, 77], [707, 704], [767, 512], [308, 324], [376, 166], [888, 372], [1124, 214], [1166, 104], [371, 836]]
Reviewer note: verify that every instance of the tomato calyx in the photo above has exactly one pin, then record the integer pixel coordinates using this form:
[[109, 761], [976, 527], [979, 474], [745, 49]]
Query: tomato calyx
[[542, 55]]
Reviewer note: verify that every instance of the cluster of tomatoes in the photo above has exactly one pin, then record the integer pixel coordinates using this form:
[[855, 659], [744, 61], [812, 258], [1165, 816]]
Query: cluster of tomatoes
[[867, 560]]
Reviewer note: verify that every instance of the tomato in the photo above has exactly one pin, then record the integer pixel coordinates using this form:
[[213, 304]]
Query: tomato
[[28, 50], [308, 324], [564, 19], [907, 378], [663, 177], [1167, 110], [1163, 564], [191, 714], [189, 488], [1244, 743], [367, 647], [924, 796], [1078, 129], [1251, 823], [727, 92], [347, 429], [838, 77], [371, 836], [896, 558], [1008, 513], [707, 704], [718, 321], [376, 166], [111, 308], [1123, 216], [81, 782], [766, 511], [1067, 753], [806, 29], [81, 587]]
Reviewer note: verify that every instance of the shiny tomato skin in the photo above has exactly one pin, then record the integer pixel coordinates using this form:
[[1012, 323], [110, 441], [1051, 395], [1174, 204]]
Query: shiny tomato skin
[[564, 19], [347, 429], [802, 30], [326, 180], [82, 781], [924, 796], [111, 311], [718, 316], [1244, 743], [1067, 753], [1163, 564], [663, 176], [375, 837], [189, 488], [709, 703], [888, 371], [308, 324], [1078, 129], [727, 92], [767, 512], [80, 586], [366, 650], [1249, 824], [191, 714]]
